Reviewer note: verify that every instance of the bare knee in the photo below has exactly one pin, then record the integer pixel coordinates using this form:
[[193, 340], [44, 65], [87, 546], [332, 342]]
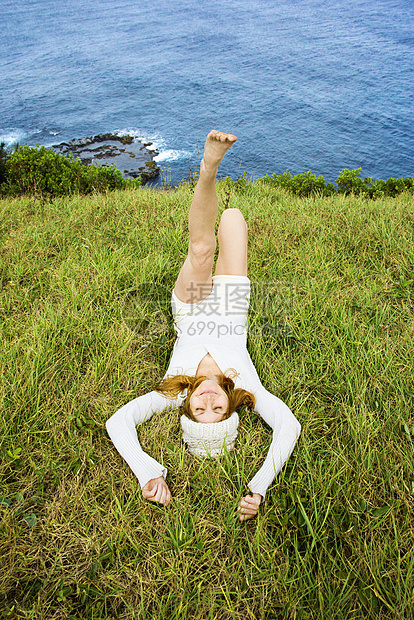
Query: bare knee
[[232, 235], [202, 253], [233, 219]]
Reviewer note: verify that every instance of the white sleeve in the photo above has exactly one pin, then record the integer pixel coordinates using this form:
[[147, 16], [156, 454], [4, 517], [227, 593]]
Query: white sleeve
[[122, 431], [286, 430]]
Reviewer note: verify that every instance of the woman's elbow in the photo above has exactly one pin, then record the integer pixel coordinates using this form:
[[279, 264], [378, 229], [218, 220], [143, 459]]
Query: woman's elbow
[[110, 424], [295, 427], [114, 422]]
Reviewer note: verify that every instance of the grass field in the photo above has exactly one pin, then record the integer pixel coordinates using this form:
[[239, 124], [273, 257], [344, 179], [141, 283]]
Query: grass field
[[85, 327]]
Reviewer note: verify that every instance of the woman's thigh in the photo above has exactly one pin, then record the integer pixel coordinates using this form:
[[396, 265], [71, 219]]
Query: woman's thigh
[[232, 236]]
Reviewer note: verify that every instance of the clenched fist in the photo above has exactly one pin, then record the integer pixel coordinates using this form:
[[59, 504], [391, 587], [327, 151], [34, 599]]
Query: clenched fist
[[249, 506], [156, 490]]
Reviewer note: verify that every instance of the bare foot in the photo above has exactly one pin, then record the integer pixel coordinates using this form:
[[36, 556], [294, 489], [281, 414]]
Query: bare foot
[[215, 148]]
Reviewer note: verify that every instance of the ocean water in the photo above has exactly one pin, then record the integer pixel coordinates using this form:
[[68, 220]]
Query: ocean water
[[304, 84]]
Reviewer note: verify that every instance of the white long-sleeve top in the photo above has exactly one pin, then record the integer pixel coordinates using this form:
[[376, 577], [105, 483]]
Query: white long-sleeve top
[[224, 337]]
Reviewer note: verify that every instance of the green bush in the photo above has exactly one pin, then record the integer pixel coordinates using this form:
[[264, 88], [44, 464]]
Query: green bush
[[3, 159], [42, 172], [348, 182], [306, 184]]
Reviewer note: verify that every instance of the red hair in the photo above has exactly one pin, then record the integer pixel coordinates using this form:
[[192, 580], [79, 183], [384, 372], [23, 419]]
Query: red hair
[[173, 386]]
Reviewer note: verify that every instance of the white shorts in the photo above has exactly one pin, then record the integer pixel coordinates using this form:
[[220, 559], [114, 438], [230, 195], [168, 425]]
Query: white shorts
[[229, 296]]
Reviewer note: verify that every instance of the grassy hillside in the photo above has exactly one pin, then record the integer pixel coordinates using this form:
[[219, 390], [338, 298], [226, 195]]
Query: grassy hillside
[[85, 327]]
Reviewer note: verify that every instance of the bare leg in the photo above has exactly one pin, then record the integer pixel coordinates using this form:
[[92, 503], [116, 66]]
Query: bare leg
[[194, 281], [232, 236]]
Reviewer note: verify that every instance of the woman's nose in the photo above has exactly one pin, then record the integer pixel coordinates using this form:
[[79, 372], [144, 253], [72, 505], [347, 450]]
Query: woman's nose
[[208, 401], [209, 396]]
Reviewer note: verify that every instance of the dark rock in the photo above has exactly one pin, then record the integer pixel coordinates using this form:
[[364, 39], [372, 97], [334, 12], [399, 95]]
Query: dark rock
[[133, 158]]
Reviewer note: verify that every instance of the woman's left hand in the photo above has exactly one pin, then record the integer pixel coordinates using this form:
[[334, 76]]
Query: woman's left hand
[[249, 506]]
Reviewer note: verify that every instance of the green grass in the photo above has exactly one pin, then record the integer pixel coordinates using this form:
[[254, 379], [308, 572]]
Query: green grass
[[84, 329]]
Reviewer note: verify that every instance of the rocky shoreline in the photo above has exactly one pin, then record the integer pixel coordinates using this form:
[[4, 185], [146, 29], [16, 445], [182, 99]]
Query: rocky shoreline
[[131, 156]]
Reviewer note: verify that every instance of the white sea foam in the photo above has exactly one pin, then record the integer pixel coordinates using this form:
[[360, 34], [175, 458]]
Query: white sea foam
[[172, 155], [158, 143], [10, 137]]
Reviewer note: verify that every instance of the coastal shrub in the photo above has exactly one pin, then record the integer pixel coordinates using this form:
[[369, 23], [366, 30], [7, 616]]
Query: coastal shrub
[[42, 172], [348, 182], [242, 186], [304, 184], [3, 159]]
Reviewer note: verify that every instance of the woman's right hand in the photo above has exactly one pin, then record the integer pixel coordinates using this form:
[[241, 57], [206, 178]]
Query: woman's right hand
[[249, 506], [156, 490]]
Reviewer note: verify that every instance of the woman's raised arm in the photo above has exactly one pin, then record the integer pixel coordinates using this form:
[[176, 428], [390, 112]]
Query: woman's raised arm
[[286, 430], [122, 431]]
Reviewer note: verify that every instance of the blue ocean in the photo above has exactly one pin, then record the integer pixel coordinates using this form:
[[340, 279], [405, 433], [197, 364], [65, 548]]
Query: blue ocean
[[316, 85]]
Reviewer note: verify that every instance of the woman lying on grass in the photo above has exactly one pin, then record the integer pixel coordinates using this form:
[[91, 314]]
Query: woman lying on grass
[[210, 373]]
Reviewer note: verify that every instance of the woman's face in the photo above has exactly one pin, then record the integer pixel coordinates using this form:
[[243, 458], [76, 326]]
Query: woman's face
[[209, 402]]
